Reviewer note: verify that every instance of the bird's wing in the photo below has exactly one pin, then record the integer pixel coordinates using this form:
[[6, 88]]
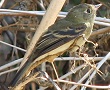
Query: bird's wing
[[48, 42], [53, 39]]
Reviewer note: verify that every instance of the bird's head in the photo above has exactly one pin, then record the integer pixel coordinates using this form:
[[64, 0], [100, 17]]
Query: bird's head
[[83, 13]]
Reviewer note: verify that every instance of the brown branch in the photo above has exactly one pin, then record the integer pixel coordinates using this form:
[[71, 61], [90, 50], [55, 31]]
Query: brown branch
[[101, 31]]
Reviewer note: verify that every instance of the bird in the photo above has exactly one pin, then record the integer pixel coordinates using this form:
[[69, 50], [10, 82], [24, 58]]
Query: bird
[[66, 34]]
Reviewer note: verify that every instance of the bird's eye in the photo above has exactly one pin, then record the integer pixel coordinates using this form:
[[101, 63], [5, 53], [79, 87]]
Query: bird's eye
[[88, 10]]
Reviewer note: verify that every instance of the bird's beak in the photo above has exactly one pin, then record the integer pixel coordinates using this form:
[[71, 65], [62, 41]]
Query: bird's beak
[[97, 6]]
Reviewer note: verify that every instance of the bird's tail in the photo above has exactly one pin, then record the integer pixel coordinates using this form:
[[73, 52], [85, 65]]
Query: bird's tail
[[22, 72]]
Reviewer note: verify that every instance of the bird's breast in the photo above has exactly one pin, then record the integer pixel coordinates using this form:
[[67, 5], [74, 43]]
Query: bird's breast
[[79, 41]]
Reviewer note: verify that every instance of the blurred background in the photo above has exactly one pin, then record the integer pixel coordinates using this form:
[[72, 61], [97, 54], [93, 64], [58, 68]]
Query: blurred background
[[18, 30]]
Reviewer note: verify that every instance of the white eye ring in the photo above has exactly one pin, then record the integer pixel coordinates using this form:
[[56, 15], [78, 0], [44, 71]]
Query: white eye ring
[[87, 11]]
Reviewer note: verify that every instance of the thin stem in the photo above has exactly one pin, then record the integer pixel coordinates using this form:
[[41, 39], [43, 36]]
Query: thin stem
[[7, 71], [13, 46], [98, 66]]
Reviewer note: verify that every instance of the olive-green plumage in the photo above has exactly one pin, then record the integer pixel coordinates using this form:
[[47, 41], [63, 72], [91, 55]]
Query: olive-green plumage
[[63, 35]]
